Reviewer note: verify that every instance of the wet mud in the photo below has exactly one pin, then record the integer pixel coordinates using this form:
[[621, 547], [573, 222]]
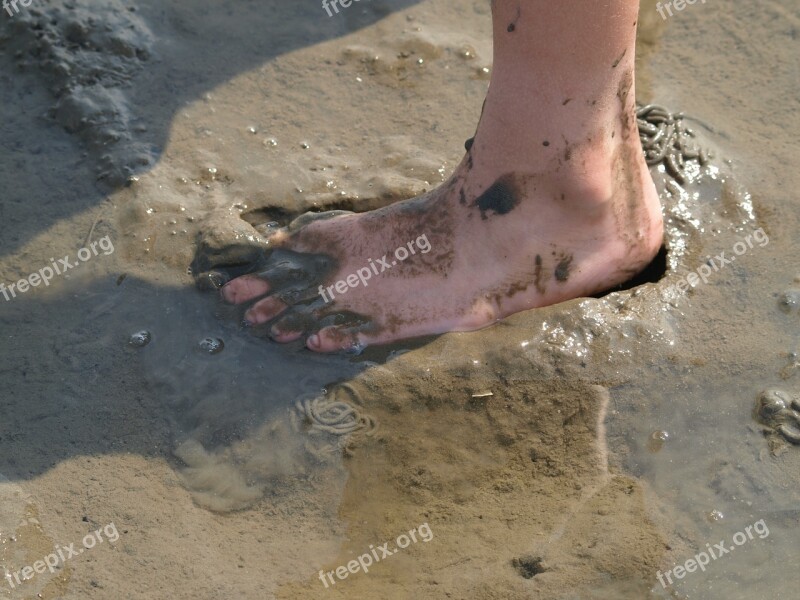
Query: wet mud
[[571, 451]]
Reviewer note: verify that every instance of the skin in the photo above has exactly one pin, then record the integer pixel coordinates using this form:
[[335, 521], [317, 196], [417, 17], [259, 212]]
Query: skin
[[553, 200]]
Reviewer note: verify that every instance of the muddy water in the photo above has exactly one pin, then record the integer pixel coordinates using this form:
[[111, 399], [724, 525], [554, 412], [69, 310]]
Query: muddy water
[[527, 448]]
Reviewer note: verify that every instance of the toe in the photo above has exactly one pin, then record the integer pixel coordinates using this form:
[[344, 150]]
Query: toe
[[283, 337], [243, 289], [296, 322], [265, 310], [336, 338]]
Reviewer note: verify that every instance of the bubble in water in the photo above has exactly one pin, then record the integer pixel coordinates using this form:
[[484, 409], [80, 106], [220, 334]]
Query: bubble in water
[[715, 515], [212, 345], [789, 301], [657, 440], [355, 350], [140, 339]]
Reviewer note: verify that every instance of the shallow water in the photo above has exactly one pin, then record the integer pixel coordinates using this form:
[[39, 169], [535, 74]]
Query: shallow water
[[526, 448]]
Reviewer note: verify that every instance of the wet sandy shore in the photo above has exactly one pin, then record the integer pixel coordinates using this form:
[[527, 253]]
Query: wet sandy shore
[[570, 452]]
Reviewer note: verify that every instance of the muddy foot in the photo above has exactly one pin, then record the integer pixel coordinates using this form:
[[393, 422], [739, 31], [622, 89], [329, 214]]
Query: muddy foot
[[553, 200], [481, 247]]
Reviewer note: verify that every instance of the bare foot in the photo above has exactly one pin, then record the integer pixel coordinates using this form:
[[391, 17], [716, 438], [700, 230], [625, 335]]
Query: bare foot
[[552, 201]]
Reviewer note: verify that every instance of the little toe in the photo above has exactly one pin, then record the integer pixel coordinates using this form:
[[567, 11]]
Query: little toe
[[244, 288], [265, 310]]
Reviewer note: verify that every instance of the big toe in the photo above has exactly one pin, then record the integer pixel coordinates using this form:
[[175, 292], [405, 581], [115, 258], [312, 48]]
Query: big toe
[[244, 288]]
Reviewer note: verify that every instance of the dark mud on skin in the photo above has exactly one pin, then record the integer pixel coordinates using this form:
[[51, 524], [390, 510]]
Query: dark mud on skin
[[561, 272], [500, 198]]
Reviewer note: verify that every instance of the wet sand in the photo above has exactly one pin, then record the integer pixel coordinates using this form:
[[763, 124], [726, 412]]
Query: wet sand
[[569, 452]]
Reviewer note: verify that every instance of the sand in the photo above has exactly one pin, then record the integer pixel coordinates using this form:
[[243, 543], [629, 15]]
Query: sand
[[571, 452]]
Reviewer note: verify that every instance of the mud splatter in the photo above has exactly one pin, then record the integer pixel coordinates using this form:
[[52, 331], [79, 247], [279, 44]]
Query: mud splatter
[[537, 276], [512, 27], [627, 117], [562, 268], [501, 197]]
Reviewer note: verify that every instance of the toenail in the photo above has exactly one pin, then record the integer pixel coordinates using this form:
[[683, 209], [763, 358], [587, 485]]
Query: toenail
[[313, 341], [227, 293]]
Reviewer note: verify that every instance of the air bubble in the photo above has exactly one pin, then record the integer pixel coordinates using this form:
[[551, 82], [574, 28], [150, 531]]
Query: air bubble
[[715, 515], [140, 339], [657, 440], [212, 345], [789, 301]]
